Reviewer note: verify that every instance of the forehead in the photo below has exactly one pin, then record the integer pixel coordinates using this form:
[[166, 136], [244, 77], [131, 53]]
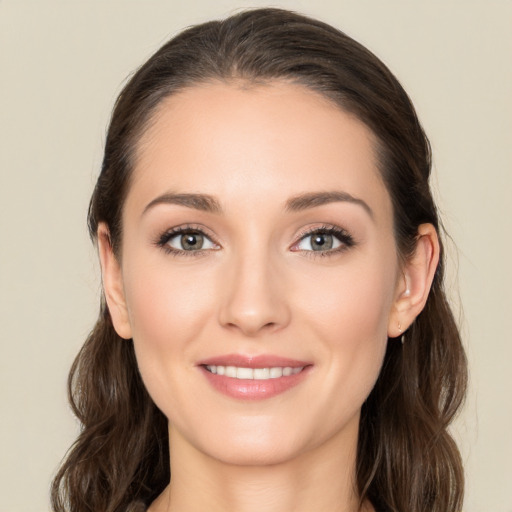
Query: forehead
[[254, 144]]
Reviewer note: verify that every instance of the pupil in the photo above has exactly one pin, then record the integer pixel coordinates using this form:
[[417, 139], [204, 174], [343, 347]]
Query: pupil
[[192, 241], [322, 242]]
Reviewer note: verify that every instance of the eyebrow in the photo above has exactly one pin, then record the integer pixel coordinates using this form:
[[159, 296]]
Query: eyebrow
[[314, 199], [203, 202], [207, 203]]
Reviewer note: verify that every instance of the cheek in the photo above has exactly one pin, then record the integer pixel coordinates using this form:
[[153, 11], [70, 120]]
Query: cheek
[[166, 304], [168, 311], [348, 311], [351, 303]]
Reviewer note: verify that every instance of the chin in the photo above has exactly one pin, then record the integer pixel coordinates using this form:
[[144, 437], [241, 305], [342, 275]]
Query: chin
[[255, 452], [264, 443], [256, 443]]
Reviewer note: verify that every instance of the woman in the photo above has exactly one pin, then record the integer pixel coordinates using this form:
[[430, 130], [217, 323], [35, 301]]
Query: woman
[[274, 332]]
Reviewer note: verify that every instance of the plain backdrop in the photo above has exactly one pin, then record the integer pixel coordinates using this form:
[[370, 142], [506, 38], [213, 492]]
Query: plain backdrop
[[62, 64]]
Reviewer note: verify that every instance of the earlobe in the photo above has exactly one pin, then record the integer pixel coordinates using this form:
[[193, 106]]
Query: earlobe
[[113, 284], [414, 286]]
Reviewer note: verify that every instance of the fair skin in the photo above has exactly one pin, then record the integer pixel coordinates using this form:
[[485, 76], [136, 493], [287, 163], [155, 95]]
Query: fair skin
[[313, 283]]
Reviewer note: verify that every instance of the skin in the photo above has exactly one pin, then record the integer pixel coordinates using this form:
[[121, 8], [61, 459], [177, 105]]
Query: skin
[[258, 288]]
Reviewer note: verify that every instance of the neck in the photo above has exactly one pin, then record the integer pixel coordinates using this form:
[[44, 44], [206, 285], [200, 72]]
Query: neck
[[315, 480]]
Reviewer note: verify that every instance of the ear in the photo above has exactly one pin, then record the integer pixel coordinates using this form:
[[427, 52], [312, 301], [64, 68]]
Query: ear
[[113, 283], [414, 285]]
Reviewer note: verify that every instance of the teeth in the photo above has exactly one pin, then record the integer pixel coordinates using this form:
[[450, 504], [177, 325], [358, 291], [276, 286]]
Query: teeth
[[230, 371], [237, 372], [244, 373], [275, 373], [262, 373]]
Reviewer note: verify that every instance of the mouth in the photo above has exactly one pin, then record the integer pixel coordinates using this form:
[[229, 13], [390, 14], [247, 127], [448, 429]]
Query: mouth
[[254, 377]]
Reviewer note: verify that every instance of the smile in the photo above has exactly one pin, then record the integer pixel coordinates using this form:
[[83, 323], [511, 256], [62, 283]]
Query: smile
[[254, 377], [239, 372]]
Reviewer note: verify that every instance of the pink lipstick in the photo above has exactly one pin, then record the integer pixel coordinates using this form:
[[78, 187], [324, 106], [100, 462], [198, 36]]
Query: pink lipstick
[[253, 377]]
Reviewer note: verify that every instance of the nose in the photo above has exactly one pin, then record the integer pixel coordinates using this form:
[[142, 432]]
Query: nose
[[254, 297]]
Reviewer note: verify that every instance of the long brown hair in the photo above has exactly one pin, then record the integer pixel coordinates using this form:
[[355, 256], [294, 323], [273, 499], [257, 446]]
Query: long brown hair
[[406, 459]]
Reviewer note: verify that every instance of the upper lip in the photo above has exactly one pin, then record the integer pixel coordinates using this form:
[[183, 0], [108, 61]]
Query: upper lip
[[253, 361]]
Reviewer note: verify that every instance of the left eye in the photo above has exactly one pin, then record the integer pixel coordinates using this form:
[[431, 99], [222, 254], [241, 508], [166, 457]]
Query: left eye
[[190, 241], [319, 241]]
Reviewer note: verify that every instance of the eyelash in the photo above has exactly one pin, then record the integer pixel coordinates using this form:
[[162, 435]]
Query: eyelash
[[343, 236], [346, 240], [163, 241]]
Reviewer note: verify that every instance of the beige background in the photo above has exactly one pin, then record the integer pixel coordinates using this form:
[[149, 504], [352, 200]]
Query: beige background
[[62, 64]]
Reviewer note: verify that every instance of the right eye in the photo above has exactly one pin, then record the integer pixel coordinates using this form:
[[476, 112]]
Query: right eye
[[186, 241]]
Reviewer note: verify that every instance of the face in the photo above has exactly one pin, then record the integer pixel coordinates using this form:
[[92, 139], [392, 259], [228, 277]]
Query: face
[[259, 272]]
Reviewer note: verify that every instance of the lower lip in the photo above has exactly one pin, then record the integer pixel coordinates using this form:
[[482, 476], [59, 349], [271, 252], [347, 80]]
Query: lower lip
[[249, 389]]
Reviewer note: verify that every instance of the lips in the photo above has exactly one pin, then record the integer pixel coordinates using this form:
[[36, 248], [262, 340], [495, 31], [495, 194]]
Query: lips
[[253, 377]]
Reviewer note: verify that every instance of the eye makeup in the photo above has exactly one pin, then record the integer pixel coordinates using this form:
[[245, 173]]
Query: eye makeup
[[194, 241], [335, 239]]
